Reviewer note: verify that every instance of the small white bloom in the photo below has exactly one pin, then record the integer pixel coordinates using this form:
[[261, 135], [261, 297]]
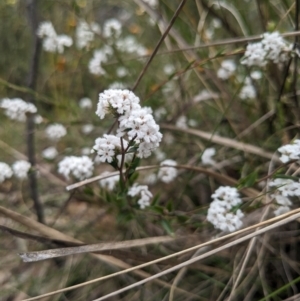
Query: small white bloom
[[5, 172], [112, 28], [85, 151], [55, 131], [290, 151], [87, 129], [167, 173], [286, 187], [182, 122], [169, 69], [227, 69], [122, 72], [85, 33], [38, 119], [78, 167], [110, 182], [207, 155], [85, 103], [281, 210], [50, 153], [143, 192], [16, 108], [21, 168]]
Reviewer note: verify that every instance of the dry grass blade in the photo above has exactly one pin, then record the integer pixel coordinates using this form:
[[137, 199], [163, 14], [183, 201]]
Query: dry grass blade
[[270, 221], [247, 148], [207, 254], [250, 192], [53, 253]]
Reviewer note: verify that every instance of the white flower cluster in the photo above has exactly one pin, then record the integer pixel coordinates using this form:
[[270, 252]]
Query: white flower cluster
[[85, 33], [131, 45], [207, 155], [79, 167], [112, 28], [290, 151], [227, 69], [55, 131], [100, 56], [248, 90], [152, 3], [167, 173], [21, 168], [16, 108], [285, 188], [85, 103], [87, 128], [108, 147], [134, 121], [50, 153], [110, 182], [51, 41], [224, 199], [143, 192], [272, 48], [5, 172]]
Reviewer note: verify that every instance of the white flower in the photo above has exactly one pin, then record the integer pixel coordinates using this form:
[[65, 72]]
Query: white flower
[[85, 151], [110, 182], [256, 75], [21, 168], [130, 44], [46, 29], [281, 200], [112, 28], [122, 72], [168, 173], [85, 103], [207, 155], [152, 3], [16, 108], [290, 151], [255, 55], [281, 210], [79, 167], [248, 91], [227, 69], [38, 119], [51, 41], [169, 69], [224, 199], [143, 192], [272, 47], [116, 85], [108, 146], [55, 131], [87, 129], [229, 196], [5, 172], [100, 56], [85, 33], [182, 122], [159, 113], [286, 187], [116, 101], [49, 153]]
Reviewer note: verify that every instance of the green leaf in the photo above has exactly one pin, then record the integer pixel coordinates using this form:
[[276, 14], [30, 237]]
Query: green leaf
[[167, 227], [283, 176], [249, 180], [88, 191]]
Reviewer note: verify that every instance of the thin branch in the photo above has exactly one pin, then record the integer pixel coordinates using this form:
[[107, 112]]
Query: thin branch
[[159, 43], [31, 84]]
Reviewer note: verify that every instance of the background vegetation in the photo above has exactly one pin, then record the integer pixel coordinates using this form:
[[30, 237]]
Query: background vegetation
[[185, 84]]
